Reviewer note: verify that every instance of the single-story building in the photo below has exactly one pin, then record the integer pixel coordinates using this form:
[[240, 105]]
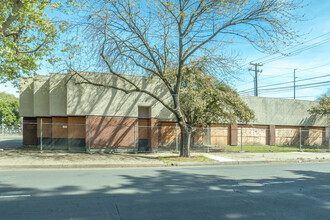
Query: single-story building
[[63, 112]]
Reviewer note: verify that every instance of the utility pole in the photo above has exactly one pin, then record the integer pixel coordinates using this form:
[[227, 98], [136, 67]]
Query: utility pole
[[256, 71], [294, 83]]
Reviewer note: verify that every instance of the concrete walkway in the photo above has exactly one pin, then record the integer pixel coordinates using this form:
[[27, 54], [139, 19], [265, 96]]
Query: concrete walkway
[[269, 157], [218, 158]]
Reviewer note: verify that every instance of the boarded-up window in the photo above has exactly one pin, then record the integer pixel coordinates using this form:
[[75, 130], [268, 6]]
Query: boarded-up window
[[286, 136], [219, 134], [315, 137], [253, 135], [60, 127], [111, 132], [46, 127], [168, 133], [76, 127]]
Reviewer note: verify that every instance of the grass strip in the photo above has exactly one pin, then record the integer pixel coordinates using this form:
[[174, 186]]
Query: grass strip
[[177, 159], [267, 148]]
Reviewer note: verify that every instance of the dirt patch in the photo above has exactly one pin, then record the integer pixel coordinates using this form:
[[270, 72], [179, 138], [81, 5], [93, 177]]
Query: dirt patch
[[21, 158]]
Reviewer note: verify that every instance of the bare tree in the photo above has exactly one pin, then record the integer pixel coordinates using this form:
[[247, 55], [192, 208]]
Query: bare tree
[[161, 38]]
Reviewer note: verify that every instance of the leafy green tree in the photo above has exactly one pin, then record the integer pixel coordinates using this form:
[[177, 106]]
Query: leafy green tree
[[204, 99], [9, 109], [323, 108], [327, 93], [28, 35]]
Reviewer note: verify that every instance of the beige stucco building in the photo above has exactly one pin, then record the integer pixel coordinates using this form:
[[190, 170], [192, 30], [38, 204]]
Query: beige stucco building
[[83, 115]]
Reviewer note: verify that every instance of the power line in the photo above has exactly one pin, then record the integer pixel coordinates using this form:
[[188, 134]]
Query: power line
[[297, 45], [272, 67], [289, 73], [286, 88], [276, 84], [302, 44], [314, 67], [294, 52], [276, 76], [299, 70], [313, 72], [294, 83], [304, 86]]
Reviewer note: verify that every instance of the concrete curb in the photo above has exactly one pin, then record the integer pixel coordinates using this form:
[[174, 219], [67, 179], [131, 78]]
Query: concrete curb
[[229, 163], [218, 163], [183, 164], [78, 166]]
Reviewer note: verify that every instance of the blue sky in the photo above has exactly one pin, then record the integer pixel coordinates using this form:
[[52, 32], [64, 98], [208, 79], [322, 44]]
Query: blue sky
[[312, 65]]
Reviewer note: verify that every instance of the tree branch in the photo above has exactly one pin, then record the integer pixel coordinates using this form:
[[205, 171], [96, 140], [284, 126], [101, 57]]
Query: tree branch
[[137, 88], [18, 4]]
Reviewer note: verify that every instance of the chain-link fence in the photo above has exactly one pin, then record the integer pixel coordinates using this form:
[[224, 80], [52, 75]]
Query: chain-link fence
[[261, 139], [140, 136], [10, 130], [45, 135], [10, 136]]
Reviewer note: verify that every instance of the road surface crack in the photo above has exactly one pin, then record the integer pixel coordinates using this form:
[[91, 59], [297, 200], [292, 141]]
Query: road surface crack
[[118, 211]]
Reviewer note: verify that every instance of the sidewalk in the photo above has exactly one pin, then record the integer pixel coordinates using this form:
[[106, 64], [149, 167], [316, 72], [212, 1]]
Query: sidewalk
[[244, 157], [20, 159]]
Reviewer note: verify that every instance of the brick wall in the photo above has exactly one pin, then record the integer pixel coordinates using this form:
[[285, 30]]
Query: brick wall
[[109, 132]]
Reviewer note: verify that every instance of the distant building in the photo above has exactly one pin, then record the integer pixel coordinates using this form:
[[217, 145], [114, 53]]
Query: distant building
[[87, 116]]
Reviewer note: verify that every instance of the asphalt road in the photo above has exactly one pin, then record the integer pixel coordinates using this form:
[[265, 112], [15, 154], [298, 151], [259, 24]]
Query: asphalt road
[[290, 191]]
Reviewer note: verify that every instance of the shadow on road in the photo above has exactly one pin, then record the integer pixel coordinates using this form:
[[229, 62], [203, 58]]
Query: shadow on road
[[173, 194]]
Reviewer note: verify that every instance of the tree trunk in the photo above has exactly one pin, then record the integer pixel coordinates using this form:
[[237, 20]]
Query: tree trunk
[[186, 134]]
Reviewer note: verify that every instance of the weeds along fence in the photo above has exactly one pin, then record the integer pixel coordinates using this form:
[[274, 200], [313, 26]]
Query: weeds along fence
[[134, 136]]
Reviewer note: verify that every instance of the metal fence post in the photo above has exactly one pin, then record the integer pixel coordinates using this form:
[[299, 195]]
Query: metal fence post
[[176, 138], [208, 138], [22, 125], [135, 137], [41, 134], [242, 139], [329, 140], [3, 125], [89, 135], [270, 137], [300, 139]]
